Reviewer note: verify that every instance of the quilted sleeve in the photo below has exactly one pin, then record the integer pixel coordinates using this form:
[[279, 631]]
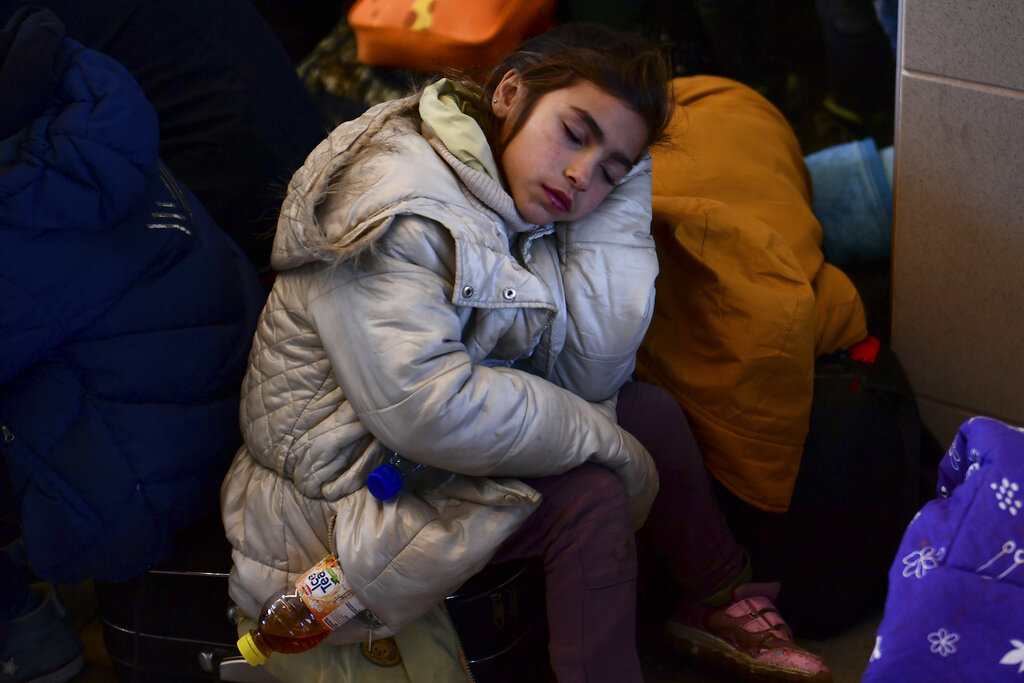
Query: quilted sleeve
[[609, 264], [394, 340]]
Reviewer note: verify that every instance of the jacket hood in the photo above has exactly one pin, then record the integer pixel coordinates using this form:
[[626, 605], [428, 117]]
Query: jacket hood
[[374, 168], [89, 138]]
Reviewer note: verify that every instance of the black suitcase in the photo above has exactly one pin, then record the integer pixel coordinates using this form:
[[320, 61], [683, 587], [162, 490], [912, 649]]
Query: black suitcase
[[500, 619], [175, 623]]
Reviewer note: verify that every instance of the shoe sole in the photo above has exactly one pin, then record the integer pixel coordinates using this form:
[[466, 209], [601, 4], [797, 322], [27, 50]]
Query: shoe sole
[[717, 653]]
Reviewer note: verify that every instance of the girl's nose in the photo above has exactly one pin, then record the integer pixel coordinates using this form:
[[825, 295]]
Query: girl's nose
[[580, 172]]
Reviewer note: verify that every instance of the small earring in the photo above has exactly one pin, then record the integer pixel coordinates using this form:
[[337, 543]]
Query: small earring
[[494, 101]]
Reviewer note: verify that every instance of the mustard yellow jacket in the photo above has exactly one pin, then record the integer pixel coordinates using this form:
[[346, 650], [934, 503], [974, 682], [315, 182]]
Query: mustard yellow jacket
[[746, 301]]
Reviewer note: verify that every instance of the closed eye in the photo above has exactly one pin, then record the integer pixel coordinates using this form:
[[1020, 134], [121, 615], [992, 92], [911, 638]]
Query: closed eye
[[575, 139]]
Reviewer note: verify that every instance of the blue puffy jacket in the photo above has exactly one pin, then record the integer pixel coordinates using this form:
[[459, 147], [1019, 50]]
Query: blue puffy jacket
[[125, 322]]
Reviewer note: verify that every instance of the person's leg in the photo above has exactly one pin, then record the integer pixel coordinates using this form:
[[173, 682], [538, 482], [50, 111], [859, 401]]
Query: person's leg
[[686, 526], [862, 67], [16, 598], [743, 40], [38, 642], [888, 17], [10, 508], [583, 535], [37, 639], [721, 617]]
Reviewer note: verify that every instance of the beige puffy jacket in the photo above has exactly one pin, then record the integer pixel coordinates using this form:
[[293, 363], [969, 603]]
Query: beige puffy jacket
[[402, 319]]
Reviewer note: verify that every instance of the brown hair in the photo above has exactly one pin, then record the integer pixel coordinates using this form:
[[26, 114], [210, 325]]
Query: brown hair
[[622, 64]]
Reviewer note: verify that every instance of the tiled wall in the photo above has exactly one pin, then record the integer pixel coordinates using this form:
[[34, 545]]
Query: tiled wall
[[958, 251]]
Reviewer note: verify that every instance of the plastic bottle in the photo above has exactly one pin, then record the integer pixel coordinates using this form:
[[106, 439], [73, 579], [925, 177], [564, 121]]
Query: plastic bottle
[[385, 481], [301, 620]]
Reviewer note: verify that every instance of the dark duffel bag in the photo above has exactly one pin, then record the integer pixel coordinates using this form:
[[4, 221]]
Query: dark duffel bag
[[861, 481]]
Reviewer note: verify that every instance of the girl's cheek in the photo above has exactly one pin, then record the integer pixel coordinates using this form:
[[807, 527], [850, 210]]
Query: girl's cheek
[[553, 149]]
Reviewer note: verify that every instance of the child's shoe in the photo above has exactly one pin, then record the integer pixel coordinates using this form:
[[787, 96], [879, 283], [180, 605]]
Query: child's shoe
[[42, 646], [748, 637]]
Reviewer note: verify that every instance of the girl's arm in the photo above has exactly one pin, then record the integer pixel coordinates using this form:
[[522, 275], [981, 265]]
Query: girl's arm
[[609, 267], [394, 339]]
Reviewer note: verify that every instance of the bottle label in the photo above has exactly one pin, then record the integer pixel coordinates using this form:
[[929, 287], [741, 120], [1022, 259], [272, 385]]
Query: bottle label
[[325, 592]]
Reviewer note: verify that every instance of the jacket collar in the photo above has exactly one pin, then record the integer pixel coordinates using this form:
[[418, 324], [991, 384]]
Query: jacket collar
[[449, 110]]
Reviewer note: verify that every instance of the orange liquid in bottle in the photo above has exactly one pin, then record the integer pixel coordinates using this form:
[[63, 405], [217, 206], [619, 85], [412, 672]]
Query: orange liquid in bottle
[[287, 623], [288, 626]]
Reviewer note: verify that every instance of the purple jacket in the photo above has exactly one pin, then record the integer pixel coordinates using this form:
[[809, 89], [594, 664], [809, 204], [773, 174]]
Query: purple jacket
[[955, 608]]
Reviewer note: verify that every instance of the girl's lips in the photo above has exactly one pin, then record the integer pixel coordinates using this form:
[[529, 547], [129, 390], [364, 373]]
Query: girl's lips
[[560, 200]]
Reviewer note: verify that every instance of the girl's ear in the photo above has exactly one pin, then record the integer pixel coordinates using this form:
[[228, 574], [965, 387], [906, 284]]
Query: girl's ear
[[507, 94]]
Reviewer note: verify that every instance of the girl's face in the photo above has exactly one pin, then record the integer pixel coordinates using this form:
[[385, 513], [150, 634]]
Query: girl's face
[[576, 143]]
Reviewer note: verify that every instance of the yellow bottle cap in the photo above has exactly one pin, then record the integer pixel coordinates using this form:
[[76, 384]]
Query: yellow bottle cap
[[252, 654]]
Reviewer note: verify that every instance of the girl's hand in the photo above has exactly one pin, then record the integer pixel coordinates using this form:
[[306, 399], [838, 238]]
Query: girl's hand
[[639, 478]]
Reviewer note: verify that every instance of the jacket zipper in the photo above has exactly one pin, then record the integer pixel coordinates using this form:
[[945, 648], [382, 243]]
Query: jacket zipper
[[458, 644]]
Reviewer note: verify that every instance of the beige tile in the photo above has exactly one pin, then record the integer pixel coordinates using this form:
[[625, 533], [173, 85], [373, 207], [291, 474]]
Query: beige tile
[[977, 41], [943, 420], [958, 255]]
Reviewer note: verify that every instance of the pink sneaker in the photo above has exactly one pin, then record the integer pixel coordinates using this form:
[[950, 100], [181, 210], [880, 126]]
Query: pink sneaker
[[748, 637]]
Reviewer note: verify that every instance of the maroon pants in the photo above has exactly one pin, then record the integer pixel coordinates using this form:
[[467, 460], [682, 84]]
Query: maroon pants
[[582, 534]]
